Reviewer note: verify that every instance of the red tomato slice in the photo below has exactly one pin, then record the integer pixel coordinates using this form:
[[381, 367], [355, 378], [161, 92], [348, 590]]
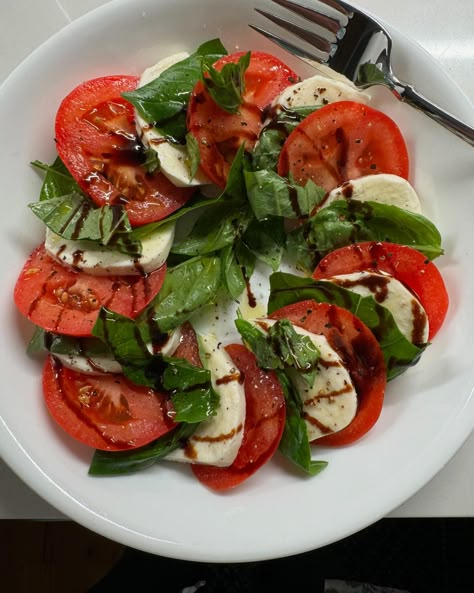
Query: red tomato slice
[[341, 141], [360, 352], [406, 264], [219, 133], [96, 139], [264, 424], [60, 300], [106, 412]]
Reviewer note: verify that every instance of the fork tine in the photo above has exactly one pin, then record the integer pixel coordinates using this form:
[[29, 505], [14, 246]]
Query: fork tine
[[289, 47], [323, 20], [316, 40]]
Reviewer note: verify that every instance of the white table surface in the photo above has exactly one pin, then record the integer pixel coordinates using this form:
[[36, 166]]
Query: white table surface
[[445, 29]]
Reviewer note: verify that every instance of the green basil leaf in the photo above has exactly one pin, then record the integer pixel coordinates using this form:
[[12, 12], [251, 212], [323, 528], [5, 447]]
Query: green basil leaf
[[266, 152], [399, 353], [44, 341], [281, 348], [219, 225], [195, 405], [163, 101], [266, 239], [294, 443], [152, 161], [73, 217], [226, 86], [259, 344], [187, 287], [57, 181], [237, 268], [194, 156], [272, 195], [351, 221], [110, 463]]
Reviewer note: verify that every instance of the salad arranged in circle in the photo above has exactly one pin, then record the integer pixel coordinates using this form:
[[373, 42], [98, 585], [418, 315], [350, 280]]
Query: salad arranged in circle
[[234, 266]]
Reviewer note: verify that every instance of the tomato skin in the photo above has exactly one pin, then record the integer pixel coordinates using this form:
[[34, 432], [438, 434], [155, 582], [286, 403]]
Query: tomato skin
[[341, 141], [264, 424], [361, 354], [219, 133], [406, 264], [106, 412], [96, 140], [61, 300]]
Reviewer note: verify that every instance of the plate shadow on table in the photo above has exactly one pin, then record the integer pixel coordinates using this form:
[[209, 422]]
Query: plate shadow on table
[[417, 555]]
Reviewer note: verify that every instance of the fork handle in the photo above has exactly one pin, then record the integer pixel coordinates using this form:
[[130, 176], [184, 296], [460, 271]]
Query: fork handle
[[408, 94]]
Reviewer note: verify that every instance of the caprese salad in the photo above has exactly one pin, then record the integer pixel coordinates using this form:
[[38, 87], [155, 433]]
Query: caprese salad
[[234, 263]]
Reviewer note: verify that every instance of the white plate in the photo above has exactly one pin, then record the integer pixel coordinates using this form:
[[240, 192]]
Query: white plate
[[428, 414]]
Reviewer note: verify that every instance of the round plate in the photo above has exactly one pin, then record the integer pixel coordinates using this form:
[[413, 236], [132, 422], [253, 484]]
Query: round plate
[[428, 413]]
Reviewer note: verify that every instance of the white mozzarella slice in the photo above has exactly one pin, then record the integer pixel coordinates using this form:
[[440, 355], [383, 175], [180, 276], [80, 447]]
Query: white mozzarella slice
[[101, 260], [409, 314], [217, 440], [319, 90], [173, 158], [330, 404], [383, 188], [98, 365]]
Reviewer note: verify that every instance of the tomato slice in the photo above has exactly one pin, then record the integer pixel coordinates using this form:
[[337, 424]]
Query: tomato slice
[[264, 424], [341, 141], [60, 300], [107, 411], [360, 352], [219, 133], [97, 141], [406, 264]]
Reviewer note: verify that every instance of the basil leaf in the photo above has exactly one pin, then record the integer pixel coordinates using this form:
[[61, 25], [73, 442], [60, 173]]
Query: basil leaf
[[399, 353], [294, 443], [351, 221], [220, 224], [237, 268], [109, 463], [194, 156], [73, 217], [187, 287], [272, 195], [266, 239], [44, 341], [163, 101], [152, 162], [226, 86], [195, 405], [266, 152], [281, 348], [57, 181]]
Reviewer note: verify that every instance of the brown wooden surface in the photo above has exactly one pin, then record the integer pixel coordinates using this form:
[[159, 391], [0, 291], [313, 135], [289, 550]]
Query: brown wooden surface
[[53, 557]]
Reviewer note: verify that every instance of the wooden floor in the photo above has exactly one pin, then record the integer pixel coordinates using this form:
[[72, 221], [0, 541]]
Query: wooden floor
[[53, 557]]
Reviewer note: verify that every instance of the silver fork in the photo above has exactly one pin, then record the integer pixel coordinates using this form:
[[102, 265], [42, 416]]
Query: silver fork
[[356, 45]]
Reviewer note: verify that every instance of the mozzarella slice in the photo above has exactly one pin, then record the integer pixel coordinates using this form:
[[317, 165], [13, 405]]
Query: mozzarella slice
[[383, 188], [389, 292], [217, 440], [173, 158], [98, 365], [319, 90], [330, 404], [101, 260]]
